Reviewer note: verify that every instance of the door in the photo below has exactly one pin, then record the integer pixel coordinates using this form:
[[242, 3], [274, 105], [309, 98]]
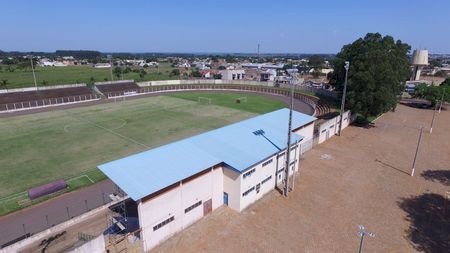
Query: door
[[328, 135], [207, 207], [225, 198]]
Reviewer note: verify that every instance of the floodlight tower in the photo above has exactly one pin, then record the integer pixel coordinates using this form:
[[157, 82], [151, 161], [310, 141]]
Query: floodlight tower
[[362, 232], [418, 61], [293, 74], [32, 69]]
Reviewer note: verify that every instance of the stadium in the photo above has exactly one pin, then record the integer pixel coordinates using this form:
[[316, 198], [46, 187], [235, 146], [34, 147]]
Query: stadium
[[66, 131]]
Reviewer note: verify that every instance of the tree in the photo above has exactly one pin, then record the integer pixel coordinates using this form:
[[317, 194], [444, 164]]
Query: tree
[[432, 93], [217, 76], [196, 73], [446, 82], [175, 72], [44, 82], [221, 67], [4, 84], [379, 67], [315, 61], [117, 72], [142, 73]]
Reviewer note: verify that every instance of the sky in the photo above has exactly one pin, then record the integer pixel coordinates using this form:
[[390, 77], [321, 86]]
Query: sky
[[216, 26]]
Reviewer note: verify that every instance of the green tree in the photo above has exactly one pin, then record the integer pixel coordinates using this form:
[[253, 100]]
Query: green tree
[[196, 73], [221, 67], [315, 61], [432, 93], [379, 67], [117, 72], [4, 84], [446, 82], [217, 76], [175, 72], [142, 73]]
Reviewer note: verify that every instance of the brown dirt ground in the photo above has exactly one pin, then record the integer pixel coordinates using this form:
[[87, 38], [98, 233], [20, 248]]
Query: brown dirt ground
[[362, 183]]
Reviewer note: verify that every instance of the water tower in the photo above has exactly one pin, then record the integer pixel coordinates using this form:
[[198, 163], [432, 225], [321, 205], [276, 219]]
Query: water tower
[[418, 61]]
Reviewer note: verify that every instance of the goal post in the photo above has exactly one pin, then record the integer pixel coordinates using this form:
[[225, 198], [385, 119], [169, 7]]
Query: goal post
[[204, 100]]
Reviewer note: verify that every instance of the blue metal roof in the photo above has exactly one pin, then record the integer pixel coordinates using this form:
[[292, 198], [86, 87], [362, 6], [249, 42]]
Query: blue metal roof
[[236, 145]]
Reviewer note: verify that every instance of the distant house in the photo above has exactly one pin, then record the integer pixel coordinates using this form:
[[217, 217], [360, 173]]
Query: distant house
[[102, 65], [260, 75], [184, 65], [233, 74]]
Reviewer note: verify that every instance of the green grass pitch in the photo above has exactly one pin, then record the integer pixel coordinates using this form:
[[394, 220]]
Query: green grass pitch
[[42, 147]]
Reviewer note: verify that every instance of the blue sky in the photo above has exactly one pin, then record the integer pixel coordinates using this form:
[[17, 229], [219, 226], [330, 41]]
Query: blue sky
[[280, 26]]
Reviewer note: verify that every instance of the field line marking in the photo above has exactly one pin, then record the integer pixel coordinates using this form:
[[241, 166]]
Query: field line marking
[[14, 196], [111, 131]]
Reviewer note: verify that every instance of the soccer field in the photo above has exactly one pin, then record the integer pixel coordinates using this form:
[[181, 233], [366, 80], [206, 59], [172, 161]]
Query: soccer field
[[42, 147]]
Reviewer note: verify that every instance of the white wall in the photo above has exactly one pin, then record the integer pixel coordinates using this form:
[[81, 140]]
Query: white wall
[[231, 185], [330, 127], [96, 245], [174, 202]]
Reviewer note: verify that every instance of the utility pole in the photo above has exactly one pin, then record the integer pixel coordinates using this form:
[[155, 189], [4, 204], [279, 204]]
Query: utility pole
[[417, 151], [432, 120], [346, 66], [362, 232], [292, 73], [442, 100], [32, 69], [111, 66]]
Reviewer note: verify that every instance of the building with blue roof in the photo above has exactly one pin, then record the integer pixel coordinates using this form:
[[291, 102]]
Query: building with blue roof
[[176, 184]]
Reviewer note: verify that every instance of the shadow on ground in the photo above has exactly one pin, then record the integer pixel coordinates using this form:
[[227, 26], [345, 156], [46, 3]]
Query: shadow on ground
[[441, 176], [429, 217]]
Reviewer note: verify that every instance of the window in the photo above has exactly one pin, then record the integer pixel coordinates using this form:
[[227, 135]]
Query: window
[[248, 173], [192, 207], [165, 222], [266, 179], [267, 162], [323, 131], [331, 126], [258, 187], [281, 154], [248, 191]]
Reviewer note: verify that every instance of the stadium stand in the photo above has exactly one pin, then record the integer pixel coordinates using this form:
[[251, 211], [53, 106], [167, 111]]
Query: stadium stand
[[30, 99], [115, 89]]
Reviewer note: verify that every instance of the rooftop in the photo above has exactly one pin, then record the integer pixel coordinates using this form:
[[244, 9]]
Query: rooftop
[[235, 145]]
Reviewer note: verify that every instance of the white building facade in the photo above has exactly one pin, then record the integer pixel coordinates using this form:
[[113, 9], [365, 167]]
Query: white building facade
[[232, 166]]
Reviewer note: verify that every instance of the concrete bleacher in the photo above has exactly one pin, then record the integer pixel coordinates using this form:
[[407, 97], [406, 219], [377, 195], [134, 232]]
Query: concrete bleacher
[[29, 99], [118, 88]]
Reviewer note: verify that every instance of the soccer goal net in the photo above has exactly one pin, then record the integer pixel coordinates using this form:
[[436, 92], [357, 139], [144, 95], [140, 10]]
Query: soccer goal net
[[204, 100]]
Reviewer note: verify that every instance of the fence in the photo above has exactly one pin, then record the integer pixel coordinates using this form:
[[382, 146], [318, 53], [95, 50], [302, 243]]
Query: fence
[[43, 88], [19, 106], [308, 99]]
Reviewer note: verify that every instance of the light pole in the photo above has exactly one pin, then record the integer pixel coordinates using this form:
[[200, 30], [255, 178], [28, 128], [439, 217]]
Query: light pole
[[362, 232], [432, 120], [293, 74], [110, 64], [417, 151], [32, 69], [346, 66]]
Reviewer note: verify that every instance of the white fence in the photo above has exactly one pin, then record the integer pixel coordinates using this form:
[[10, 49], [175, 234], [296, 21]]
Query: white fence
[[113, 82], [94, 245], [20, 106], [201, 81], [43, 88]]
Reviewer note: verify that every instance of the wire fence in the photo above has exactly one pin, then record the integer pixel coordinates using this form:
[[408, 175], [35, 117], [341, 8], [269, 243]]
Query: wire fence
[[10, 107]]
